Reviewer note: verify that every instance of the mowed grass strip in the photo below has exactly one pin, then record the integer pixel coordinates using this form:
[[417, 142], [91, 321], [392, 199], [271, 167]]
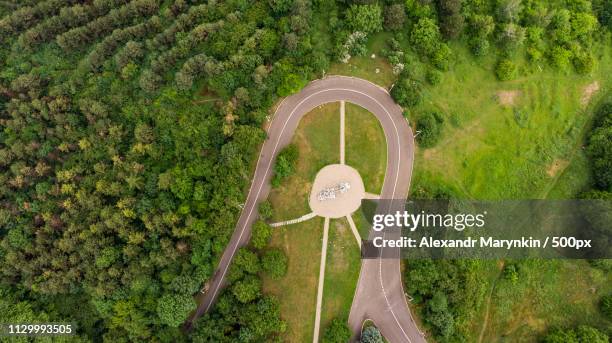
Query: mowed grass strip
[[366, 148], [341, 272], [297, 291]]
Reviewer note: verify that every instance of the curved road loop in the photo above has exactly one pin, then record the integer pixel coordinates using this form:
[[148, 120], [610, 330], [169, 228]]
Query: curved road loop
[[379, 295]]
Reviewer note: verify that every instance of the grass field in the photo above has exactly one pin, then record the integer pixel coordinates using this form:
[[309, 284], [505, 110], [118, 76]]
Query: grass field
[[341, 272], [519, 139], [366, 149], [317, 138]]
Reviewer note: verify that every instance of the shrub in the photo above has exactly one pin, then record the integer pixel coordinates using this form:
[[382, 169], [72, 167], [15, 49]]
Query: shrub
[[583, 62], [505, 70], [365, 18], [265, 210], [560, 57], [274, 262], [425, 36], [433, 77], [395, 16], [407, 92], [337, 332], [441, 57], [371, 335], [479, 46], [605, 305], [261, 234], [285, 164], [430, 127]]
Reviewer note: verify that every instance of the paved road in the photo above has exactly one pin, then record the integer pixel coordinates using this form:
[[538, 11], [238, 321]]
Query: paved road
[[379, 295]]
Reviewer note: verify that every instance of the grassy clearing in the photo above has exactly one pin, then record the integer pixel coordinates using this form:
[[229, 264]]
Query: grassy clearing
[[518, 150], [318, 141], [297, 291], [549, 293], [517, 140], [366, 149], [376, 69], [341, 272], [317, 138], [512, 140]]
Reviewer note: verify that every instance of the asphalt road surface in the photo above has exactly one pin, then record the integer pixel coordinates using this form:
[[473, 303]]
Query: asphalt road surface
[[379, 295]]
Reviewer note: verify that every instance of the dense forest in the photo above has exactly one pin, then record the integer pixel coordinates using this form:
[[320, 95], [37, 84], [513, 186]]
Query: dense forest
[[129, 128]]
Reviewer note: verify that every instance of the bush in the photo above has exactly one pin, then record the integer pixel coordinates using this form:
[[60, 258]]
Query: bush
[[274, 262], [337, 332], [261, 234], [285, 164], [433, 77], [425, 36], [407, 92], [429, 126], [365, 18], [583, 63], [479, 46], [605, 305], [247, 289], [371, 335], [265, 210], [505, 70], [599, 149], [395, 16], [441, 57]]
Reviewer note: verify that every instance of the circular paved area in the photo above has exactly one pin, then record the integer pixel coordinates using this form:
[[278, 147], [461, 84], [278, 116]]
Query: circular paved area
[[339, 201]]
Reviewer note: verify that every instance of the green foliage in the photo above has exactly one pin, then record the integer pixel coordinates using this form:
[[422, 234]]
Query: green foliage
[[605, 305], [285, 164], [247, 289], [292, 83], [582, 334], [505, 70], [265, 210], [261, 234], [371, 335], [451, 18], [172, 309], [126, 128], [450, 291], [395, 17], [274, 263], [430, 126], [425, 36], [511, 273], [407, 92], [365, 18], [433, 77], [337, 331], [599, 148]]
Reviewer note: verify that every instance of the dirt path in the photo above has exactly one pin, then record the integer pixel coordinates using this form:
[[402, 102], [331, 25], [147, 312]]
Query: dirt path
[[485, 323]]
